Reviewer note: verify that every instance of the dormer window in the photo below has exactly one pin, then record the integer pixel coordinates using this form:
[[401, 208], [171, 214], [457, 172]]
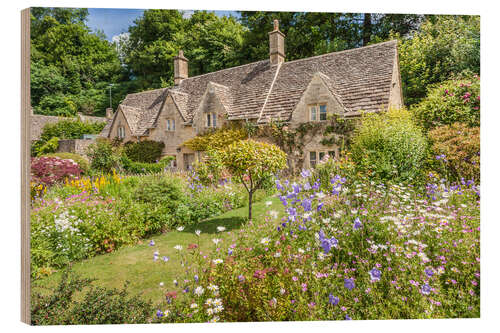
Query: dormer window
[[211, 120], [317, 112], [121, 132], [170, 124]]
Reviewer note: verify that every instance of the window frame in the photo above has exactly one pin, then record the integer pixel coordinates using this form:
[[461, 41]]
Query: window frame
[[318, 157], [121, 132], [315, 113], [211, 120], [170, 125]]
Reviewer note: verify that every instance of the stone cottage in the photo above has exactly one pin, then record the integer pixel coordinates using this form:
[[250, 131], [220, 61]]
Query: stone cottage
[[344, 83]]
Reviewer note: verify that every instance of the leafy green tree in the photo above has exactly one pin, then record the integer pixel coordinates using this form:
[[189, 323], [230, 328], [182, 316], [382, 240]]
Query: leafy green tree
[[71, 66], [252, 163], [444, 45]]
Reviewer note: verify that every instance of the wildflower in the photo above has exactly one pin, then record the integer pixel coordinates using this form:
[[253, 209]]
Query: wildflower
[[347, 317], [305, 173], [159, 313], [161, 284], [304, 287], [374, 274], [198, 291], [217, 261], [213, 288], [265, 240], [165, 258], [241, 278], [221, 229], [180, 228], [215, 319], [429, 271], [282, 291], [178, 247], [357, 224], [197, 232], [193, 305], [209, 302], [192, 246], [306, 204], [349, 283], [272, 302], [176, 283], [152, 243], [268, 203], [196, 279], [216, 240], [333, 300], [426, 289]]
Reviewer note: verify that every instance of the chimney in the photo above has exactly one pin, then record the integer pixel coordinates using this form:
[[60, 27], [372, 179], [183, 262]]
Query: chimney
[[276, 45], [109, 113], [180, 68]]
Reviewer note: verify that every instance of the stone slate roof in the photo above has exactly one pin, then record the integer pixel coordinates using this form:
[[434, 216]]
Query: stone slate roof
[[359, 78]]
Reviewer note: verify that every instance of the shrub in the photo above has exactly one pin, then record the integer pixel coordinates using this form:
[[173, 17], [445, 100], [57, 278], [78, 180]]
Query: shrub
[[449, 102], [40, 147], [210, 170], [145, 168], [389, 146], [103, 157], [50, 170], [217, 139], [98, 305], [144, 151], [343, 166], [456, 151], [79, 159]]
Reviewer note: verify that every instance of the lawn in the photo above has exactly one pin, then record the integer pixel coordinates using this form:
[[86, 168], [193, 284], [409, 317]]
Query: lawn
[[136, 265]]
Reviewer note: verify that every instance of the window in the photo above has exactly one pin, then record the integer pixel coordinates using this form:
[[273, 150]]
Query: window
[[211, 120], [170, 124], [316, 156], [314, 110], [121, 132], [313, 113], [322, 112], [312, 159]]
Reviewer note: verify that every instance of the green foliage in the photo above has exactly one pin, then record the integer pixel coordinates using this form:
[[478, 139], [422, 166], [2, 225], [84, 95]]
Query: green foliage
[[456, 152], [146, 151], [70, 129], [103, 157], [252, 163], [80, 160], [210, 169], [217, 139], [389, 146], [46, 147], [132, 167], [71, 66], [442, 46], [62, 306], [456, 100]]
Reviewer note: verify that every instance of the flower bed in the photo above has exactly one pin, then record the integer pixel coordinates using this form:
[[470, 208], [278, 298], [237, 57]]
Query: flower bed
[[370, 251]]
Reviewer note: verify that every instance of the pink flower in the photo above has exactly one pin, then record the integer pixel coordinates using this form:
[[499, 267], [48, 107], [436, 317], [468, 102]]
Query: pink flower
[[304, 286]]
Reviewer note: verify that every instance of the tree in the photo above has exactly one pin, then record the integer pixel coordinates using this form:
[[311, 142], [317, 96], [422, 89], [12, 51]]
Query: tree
[[71, 66], [443, 46], [251, 163]]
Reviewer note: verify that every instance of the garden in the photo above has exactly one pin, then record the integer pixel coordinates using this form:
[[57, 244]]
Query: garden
[[388, 229]]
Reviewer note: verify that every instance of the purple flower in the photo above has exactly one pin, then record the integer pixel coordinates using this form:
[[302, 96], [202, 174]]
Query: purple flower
[[426, 289], [306, 203], [165, 258], [320, 205], [241, 278], [375, 274], [159, 313], [196, 279], [305, 173], [333, 300], [326, 243], [357, 224], [347, 317], [349, 284], [279, 187], [152, 243], [429, 271]]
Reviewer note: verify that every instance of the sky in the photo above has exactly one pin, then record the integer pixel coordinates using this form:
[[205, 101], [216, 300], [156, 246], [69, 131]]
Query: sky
[[114, 21]]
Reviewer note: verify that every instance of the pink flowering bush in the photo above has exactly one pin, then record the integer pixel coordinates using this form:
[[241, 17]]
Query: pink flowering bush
[[451, 101], [51, 170], [367, 251]]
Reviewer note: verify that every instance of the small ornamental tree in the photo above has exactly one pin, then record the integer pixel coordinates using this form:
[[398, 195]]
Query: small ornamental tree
[[251, 163]]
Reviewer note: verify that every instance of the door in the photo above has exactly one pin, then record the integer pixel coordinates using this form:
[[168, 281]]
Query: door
[[188, 161]]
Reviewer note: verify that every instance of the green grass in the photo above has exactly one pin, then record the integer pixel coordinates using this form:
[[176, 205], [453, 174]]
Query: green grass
[[135, 263]]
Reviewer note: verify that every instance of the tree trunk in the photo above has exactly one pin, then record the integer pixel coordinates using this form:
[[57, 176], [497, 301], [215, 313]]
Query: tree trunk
[[367, 29], [250, 205]]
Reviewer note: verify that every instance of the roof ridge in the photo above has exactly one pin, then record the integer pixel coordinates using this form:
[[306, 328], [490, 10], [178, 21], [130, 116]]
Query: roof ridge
[[224, 69], [151, 90], [343, 51], [339, 98], [269, 92]]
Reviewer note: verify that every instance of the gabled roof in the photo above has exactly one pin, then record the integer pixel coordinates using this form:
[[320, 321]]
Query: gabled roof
[[359, 78]]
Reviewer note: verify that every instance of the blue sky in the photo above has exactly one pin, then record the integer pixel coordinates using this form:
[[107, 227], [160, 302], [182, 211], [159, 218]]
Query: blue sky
[[114, 21]]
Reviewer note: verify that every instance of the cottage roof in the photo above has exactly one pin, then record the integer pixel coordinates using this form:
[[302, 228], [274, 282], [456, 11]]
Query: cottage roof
[[359, 78]]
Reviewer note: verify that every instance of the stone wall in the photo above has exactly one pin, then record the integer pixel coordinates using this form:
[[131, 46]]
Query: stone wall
[[77, 146]]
